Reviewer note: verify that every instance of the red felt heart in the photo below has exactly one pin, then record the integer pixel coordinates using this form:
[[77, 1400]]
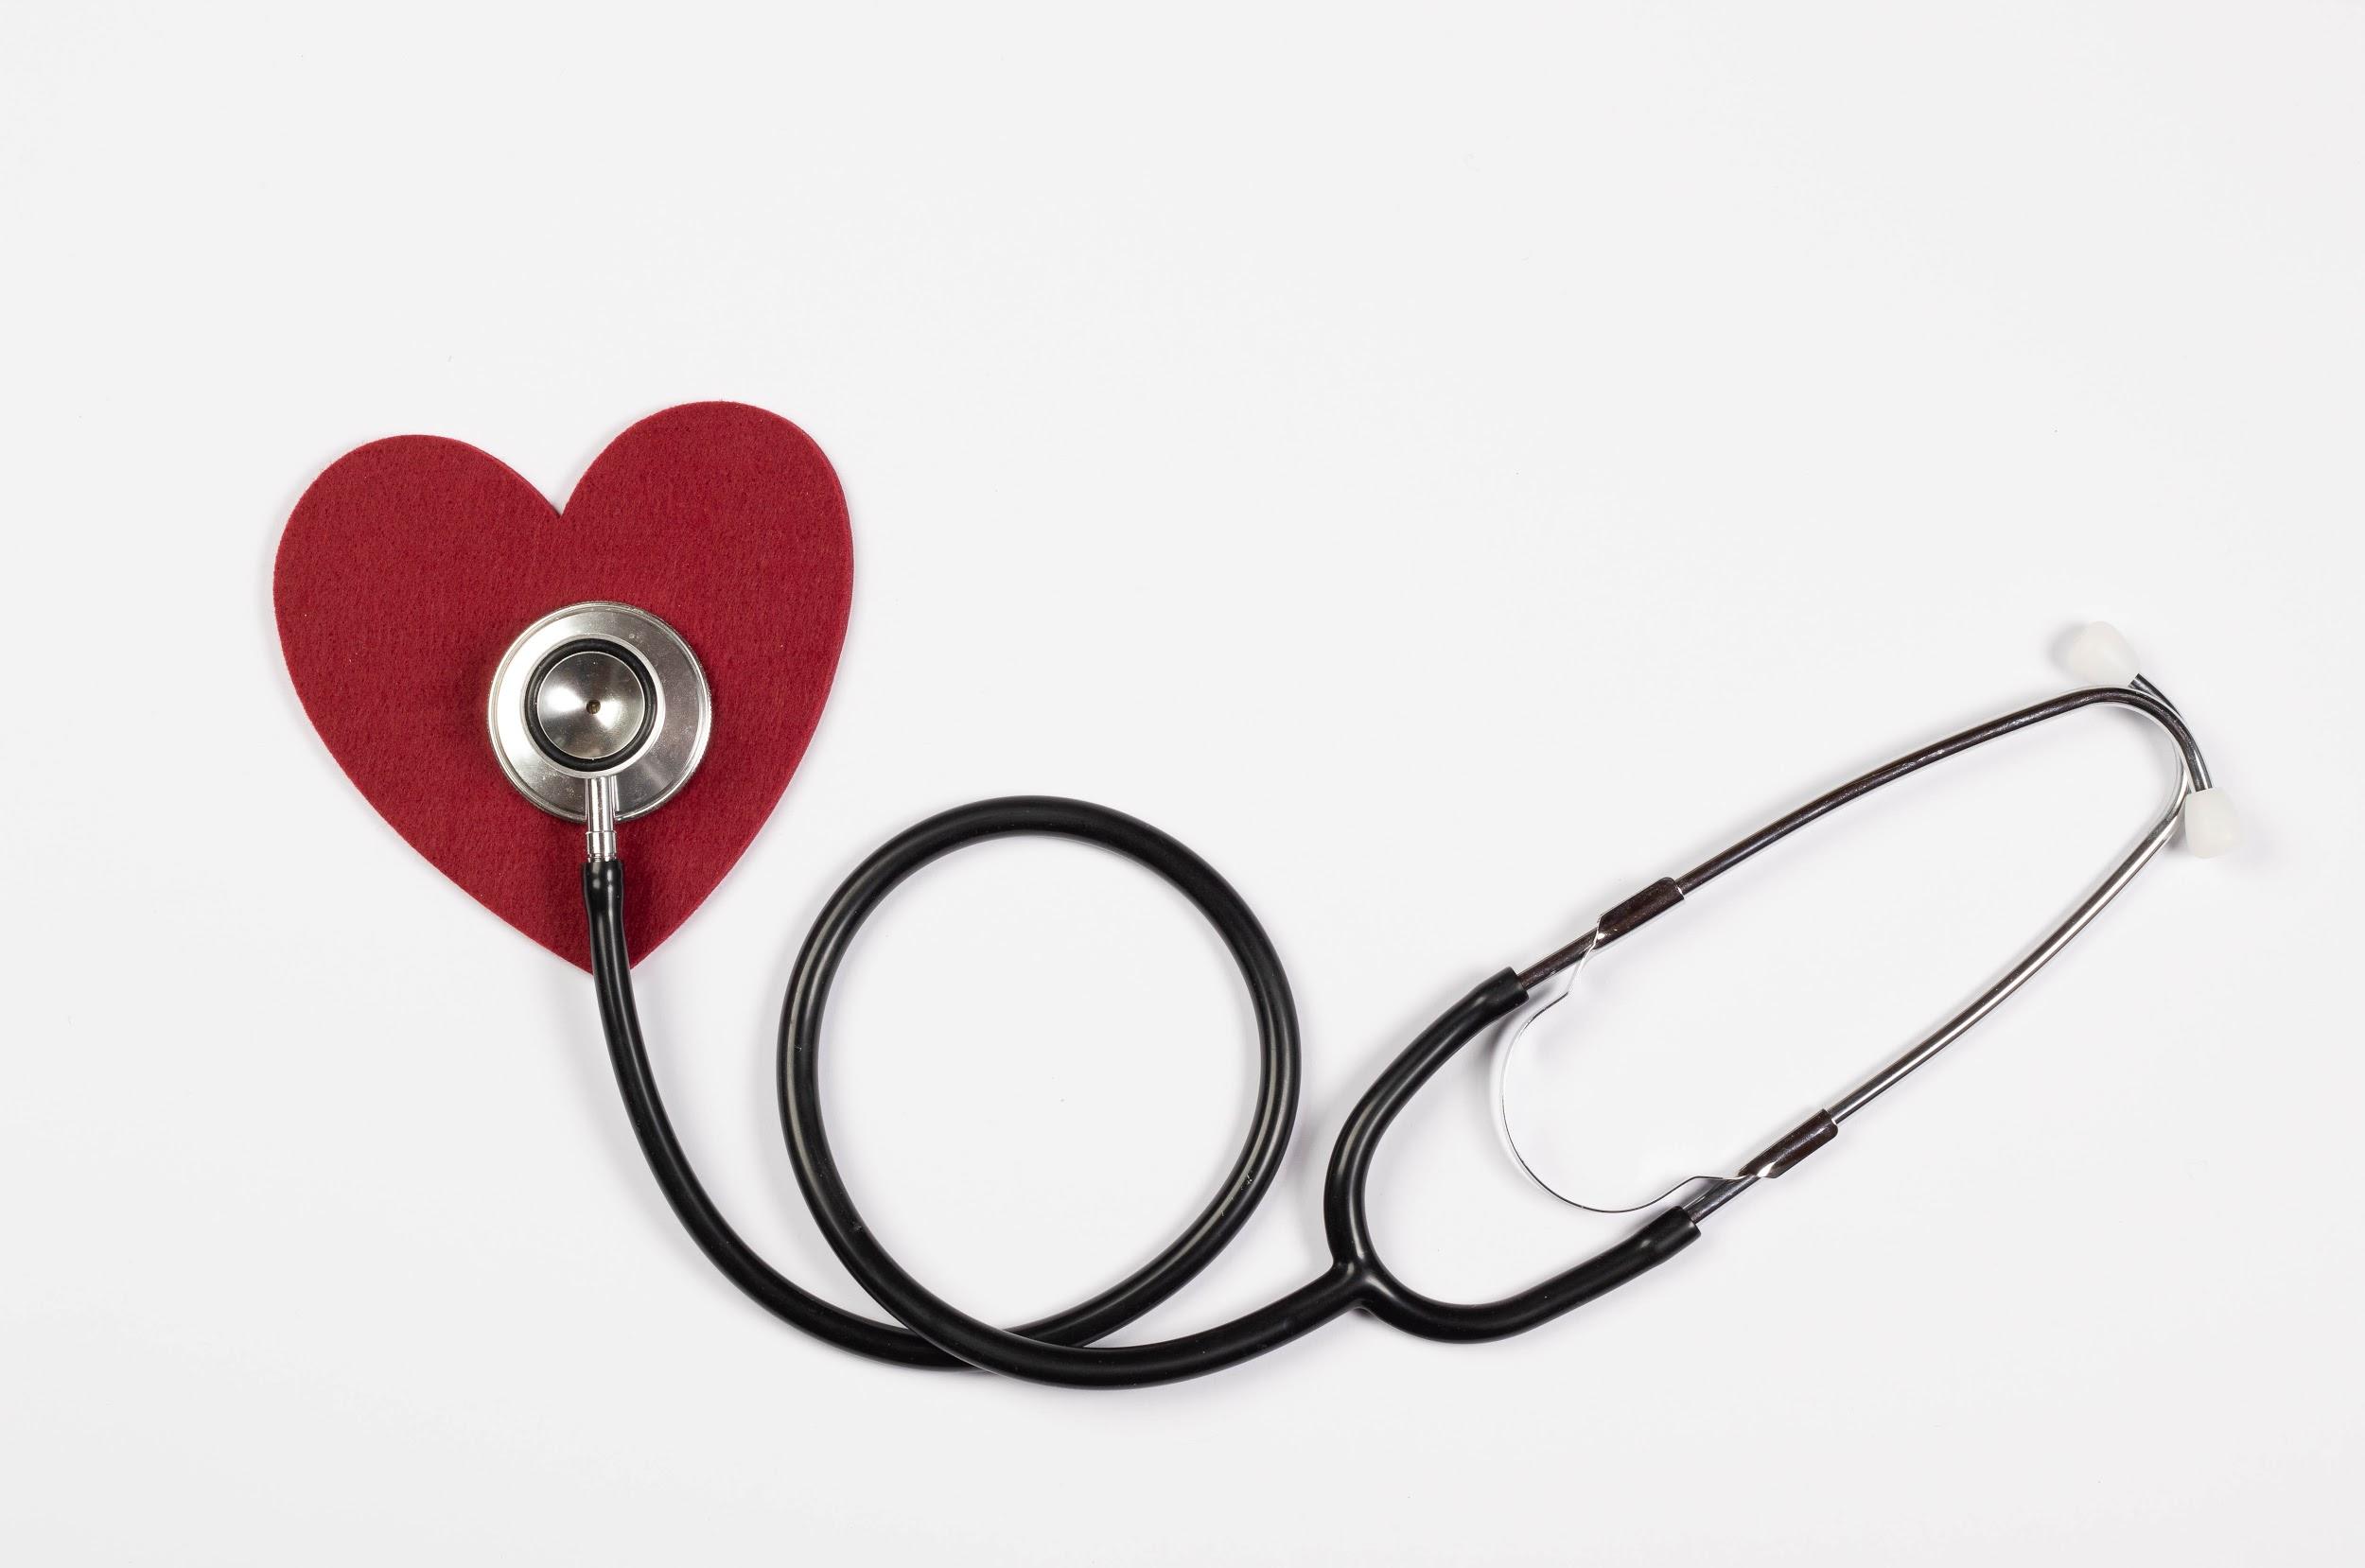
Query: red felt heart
[[411, 564]]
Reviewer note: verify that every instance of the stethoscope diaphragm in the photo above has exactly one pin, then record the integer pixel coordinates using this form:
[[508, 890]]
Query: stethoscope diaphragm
[[598, 690]]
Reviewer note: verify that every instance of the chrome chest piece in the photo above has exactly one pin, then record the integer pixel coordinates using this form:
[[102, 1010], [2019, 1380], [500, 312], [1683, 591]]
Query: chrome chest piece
[[598, 710]]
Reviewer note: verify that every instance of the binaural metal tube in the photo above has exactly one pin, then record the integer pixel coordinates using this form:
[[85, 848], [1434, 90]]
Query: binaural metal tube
[[1715, 1191], [2017, 976]]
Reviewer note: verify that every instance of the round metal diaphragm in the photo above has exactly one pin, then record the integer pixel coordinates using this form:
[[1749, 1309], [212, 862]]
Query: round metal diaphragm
[[590, 704], [598, 690]]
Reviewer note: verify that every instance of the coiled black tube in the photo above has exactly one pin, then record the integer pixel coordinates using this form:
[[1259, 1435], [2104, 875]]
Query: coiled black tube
[[1060, 1350]]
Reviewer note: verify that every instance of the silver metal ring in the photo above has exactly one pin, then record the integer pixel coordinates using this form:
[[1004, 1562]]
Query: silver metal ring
[[670, 744]]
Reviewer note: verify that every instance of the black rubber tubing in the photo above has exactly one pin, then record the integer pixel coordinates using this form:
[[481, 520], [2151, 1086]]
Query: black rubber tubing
[[1060, 1350]]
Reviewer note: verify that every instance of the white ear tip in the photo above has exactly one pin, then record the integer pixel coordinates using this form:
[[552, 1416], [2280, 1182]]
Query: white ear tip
[[2211, 826], [2098, 656]]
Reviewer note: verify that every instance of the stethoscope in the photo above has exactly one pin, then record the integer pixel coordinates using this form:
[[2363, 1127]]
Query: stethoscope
[[600, 713]]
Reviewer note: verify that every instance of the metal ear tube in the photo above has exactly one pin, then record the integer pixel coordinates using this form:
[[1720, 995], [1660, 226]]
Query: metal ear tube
[[1822, 1126], [600, 713]]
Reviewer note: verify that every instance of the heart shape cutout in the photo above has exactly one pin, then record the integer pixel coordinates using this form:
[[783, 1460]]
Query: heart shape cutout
[[409, 565]]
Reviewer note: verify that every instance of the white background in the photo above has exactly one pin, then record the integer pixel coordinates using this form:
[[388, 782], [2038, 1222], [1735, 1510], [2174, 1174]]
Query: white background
[[1450, 467]]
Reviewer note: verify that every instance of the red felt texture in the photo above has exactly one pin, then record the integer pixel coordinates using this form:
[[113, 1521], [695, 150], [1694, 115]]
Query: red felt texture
[[412, 563]]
